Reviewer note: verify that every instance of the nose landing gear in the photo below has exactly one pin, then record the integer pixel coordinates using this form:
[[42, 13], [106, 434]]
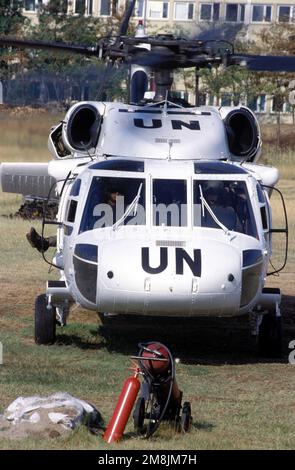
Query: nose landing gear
[[270, 335], [267, 327], [45, 321]]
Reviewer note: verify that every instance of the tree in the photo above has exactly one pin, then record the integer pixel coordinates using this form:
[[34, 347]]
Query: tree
[[279, 39], [11, 23], [11, 18], [70, 76]]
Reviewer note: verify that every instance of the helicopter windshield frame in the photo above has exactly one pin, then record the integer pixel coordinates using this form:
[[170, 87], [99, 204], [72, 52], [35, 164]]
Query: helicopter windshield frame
[[186, 200], [107, 200], [230, 201]]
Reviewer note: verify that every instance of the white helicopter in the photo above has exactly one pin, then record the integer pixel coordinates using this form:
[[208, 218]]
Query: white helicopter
[[163, 209]]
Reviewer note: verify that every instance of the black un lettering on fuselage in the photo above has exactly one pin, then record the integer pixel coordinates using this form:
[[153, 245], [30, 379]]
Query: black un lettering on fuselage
[[181, 256], [175, 123]]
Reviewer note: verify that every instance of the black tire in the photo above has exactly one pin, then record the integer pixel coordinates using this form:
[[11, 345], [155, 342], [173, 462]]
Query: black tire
[[270, 336], [186, 417], [45, 321], [139, 415]]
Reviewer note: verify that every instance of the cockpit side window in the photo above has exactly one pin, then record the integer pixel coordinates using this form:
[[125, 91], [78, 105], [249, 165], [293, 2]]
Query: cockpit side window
[[169, 202], [260, 194], [262, 203], [72, 211], [229, 202], [75, 189], [109, 199]]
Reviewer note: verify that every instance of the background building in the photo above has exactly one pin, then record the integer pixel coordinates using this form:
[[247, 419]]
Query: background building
[[232, 20], [189, 15]]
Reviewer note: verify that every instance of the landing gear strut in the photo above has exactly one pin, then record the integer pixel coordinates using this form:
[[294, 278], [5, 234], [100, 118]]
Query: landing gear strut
[[45, 321], [270, 335]]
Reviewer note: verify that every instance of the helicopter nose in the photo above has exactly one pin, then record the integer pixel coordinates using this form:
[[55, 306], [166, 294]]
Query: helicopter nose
[[139, 277]]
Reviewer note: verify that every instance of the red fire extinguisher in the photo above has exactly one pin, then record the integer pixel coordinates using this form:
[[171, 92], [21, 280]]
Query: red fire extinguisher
[[123, 409]]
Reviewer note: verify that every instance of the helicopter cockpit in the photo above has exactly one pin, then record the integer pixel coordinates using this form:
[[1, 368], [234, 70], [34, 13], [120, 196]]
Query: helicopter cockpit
[[113, 200], [116, 198]]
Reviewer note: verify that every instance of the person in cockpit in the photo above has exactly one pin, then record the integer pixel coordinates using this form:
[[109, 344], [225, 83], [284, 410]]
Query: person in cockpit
[[217, 200], [43, 243]]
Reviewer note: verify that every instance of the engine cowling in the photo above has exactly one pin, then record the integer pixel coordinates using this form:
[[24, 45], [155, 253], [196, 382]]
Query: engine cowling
[[81, 128], [243, 133]]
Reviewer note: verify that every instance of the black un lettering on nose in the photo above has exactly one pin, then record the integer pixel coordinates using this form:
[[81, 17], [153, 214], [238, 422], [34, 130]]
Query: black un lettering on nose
[[176, 124], [156, 124], [194, 264], [145, 260], [181, 256], [192, 125]]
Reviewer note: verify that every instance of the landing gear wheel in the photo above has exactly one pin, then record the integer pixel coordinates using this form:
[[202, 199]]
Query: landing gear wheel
[[139, 415], [186, 417], [45, 321], [270, 336]]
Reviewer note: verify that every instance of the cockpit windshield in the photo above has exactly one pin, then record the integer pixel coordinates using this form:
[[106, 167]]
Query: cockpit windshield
[[169, 202], [229, 202], [220, 204], [108, 201]]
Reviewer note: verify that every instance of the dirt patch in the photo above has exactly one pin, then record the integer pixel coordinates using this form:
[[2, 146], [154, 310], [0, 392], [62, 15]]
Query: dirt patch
[[34, 210], [20, 300], [17, 298]]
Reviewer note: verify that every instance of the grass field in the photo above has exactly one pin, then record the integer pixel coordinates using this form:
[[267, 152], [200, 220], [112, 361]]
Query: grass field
[[239, 401]]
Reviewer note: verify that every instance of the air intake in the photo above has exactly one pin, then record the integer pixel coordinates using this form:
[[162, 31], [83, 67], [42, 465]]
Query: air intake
[[243, 134], [81, 131]]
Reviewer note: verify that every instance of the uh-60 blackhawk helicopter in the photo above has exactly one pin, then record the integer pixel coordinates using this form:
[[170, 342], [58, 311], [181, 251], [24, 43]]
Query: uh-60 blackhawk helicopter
[[163, 209]]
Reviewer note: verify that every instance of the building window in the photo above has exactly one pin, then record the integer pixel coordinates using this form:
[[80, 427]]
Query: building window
[[180, 94], [32, 5], [210, 100], [105, 7], [229, 99], [235, 12], [139, 8], [226, 99], [90, 7], [261, 13], [257, 104], [183, 11], [80, 7], [202, 99], [158, 10], [209, 11], [279, 105], [285, 13]]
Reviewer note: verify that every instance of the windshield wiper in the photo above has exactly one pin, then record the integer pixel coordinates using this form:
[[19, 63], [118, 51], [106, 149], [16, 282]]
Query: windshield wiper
[[133, 205], [216, 220]]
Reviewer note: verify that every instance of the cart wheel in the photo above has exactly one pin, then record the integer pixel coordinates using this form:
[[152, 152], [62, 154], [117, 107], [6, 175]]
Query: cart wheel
[[139, 415], [186, 417], [44, 321]]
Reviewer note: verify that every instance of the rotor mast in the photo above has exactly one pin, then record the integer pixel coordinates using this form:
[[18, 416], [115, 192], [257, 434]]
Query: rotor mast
[[163, 82]]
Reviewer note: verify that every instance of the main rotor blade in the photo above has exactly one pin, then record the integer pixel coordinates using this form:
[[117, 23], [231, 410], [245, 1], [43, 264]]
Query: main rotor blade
[[125, 23], [38, 44], [264, 63], [161, 58]]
